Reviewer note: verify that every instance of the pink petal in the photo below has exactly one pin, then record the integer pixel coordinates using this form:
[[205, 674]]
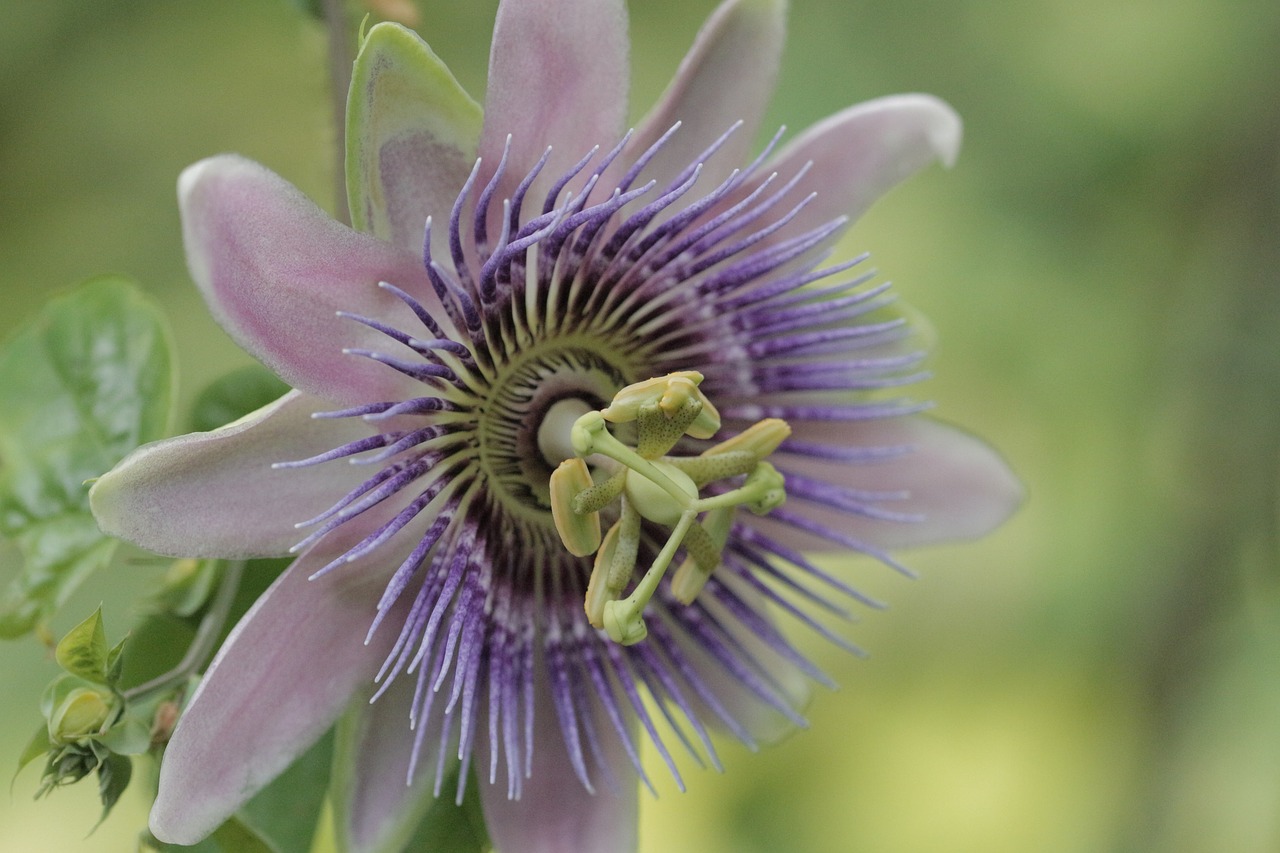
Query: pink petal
[[558, 76], [961, 487], [411, 138], [555, 813], [374, 808], [860, 154], [280, 680], [727, 76], [275, 269], [215, 494]]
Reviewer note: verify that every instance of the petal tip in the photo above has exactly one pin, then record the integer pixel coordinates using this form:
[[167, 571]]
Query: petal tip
[[944, 129], [198, 172], [110, 505], [168, 827], [997, 493]]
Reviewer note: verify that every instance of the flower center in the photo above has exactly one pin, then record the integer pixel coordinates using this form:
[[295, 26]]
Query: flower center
[[523, 418]]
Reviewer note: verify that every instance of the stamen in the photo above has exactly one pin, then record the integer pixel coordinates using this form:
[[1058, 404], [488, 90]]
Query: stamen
[[660, 489]]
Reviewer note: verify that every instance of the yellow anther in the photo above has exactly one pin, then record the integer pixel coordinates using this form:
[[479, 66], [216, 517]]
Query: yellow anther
[[677, 391], [598, 592], [627, 402], [580, 532], [615, 562], [760, 439], [707, 424]]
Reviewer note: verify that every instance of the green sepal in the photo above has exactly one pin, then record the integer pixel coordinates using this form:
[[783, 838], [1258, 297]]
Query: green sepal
[[83, 651], [57, 690], [114, 774], [82, 384], [128, 736], [115, 662], [37, 747], [402, 95]]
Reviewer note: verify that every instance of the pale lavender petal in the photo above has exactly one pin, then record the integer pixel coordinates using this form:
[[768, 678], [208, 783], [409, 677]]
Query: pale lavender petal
[[411, 138], [558, 76], [282, 677], [727, 76], [859, 154], [375, 809], [215, 494], [555, 813], [954, 484], [275, 270]]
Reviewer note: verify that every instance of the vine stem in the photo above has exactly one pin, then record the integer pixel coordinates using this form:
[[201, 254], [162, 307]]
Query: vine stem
[[206, 637], [341, 57]]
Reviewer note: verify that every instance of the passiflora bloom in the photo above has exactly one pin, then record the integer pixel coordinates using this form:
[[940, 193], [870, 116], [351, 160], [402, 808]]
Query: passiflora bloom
[[511, 277]]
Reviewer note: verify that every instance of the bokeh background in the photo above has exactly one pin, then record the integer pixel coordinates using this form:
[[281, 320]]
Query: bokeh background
[[1102, 674]]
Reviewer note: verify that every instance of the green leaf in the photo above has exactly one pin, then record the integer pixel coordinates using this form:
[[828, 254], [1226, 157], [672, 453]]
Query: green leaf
[[83, 651], [114, 774], [235, 836], [285, 813], [446, 826], [235, 395], [59, 553], [314, 8], [232, 837], [85, 382]]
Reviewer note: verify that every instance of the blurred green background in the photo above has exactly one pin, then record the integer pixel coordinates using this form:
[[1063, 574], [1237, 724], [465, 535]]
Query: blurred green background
[[1104, 672]]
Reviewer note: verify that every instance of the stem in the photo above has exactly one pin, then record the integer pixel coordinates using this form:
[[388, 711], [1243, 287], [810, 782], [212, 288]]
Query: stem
[[341, 57], [205, 639]]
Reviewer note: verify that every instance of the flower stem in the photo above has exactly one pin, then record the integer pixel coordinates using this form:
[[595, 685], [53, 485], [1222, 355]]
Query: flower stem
[[202, 645]]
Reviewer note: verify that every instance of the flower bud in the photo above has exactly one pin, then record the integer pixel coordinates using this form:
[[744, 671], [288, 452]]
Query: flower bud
[[83, 712]]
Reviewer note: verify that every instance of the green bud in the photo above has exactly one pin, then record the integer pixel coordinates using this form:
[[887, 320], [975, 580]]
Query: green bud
[[85, 711]]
